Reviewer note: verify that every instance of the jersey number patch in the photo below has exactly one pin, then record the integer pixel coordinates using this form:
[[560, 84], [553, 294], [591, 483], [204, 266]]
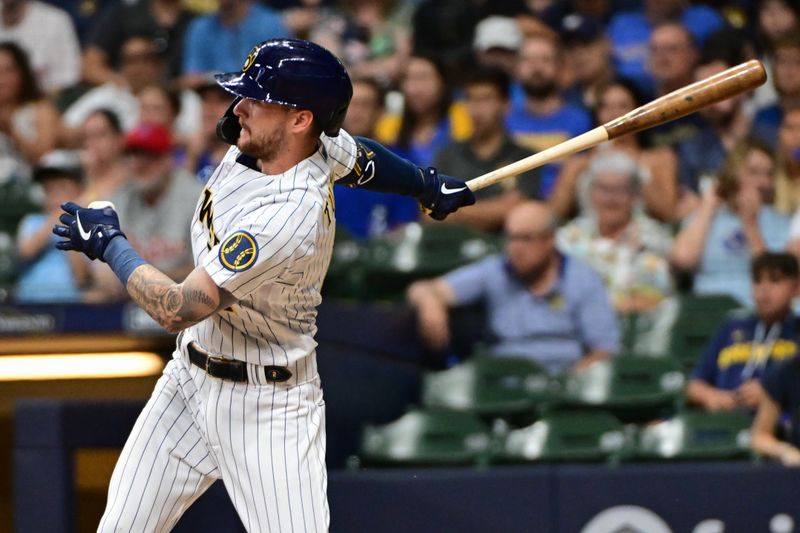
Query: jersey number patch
[[206, 218], [239, 252]]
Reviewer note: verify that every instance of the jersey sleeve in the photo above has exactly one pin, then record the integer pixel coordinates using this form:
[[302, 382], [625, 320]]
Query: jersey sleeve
[[264, 244], [341, 152]]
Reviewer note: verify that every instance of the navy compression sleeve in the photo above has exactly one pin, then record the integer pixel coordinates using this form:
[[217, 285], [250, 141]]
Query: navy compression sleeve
[[378, 169]]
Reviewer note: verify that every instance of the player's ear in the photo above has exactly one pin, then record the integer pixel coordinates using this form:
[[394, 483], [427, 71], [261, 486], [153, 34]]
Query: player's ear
[[302, 120]]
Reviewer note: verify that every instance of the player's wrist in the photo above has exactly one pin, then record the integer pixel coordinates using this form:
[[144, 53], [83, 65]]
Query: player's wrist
[[122, 258]]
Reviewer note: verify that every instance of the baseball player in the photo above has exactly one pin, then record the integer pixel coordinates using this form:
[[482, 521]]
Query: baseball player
[[241, 399]]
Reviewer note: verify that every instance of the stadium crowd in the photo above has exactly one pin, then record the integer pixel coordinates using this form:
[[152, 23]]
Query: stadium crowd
[[116, 100]]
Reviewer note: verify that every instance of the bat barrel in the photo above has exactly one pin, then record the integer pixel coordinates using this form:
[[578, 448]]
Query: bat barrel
[[726, 84]]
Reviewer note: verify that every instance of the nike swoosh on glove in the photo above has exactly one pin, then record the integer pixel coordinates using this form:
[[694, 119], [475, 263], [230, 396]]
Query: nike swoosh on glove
[[443, 194], [87, 230]]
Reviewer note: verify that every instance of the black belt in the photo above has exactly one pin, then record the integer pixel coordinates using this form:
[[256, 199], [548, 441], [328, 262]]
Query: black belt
[[232, 369]]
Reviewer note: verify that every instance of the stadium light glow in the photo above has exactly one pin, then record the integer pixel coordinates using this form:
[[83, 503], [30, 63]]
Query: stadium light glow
[[34, 367]]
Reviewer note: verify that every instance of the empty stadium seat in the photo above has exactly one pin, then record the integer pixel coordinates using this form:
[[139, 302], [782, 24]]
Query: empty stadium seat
[[418, 251], [698, 318], [565, 436], [343, 279], [427, 437], [489, 385], [697, 435], [633, 388]]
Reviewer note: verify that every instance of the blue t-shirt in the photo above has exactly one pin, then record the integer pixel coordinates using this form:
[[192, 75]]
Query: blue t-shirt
[[48, 278], [766, 124], [368, 214], [782, 384], [554, 329], [630, 36], [726, 357], [538, 132], [423, 154], [209, 46], [699, 155], [725, 263]]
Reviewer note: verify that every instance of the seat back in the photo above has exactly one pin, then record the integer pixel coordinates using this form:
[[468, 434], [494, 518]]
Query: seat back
[[698, 318], [697, 435]]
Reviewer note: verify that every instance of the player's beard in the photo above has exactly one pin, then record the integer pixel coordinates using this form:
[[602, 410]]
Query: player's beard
[[266, 146]]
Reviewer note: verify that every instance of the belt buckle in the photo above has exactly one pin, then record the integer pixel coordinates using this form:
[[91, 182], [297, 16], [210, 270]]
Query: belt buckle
[[215, 362]]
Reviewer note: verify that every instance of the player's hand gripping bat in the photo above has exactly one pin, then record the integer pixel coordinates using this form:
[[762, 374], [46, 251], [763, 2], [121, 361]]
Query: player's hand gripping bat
[[726, 84]]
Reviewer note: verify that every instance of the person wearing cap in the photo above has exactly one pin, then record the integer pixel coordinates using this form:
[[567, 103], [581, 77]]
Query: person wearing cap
[[497, 40], [153, 205], [588, 52], [48, 275]]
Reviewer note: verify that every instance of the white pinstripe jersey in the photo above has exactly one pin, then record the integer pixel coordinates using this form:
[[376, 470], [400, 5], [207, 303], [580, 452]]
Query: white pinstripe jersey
[[268, 240]]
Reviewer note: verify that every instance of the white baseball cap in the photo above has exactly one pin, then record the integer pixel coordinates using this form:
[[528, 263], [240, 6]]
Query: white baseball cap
[[497, 32]]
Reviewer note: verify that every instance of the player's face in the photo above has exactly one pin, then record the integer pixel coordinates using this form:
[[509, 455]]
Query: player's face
[[264, 128], [773, 293]]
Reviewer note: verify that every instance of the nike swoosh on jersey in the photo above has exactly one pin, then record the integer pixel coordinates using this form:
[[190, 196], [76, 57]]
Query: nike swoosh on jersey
[[445, 190], [85, 235]]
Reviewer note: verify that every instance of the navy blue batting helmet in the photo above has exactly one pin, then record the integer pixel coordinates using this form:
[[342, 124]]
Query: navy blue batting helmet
[[295, 73]]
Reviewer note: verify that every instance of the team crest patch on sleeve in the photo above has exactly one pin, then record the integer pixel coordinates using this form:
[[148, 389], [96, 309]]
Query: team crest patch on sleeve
[[238, 252]]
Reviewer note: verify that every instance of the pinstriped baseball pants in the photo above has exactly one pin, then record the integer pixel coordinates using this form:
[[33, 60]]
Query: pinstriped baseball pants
[[266, 443]]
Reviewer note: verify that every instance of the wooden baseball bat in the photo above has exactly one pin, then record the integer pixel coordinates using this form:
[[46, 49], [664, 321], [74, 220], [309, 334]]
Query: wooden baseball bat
[[726, 84]]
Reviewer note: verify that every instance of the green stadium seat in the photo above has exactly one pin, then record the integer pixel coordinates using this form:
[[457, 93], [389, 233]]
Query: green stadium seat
[[633, 388], [418, 251], [488, 385], [343, 279], [427, 438], [697, 435], [698, 318], [565, 436]]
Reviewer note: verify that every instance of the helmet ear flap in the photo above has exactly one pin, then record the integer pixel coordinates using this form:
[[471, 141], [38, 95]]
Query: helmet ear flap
[[228, 127], [337, 119]]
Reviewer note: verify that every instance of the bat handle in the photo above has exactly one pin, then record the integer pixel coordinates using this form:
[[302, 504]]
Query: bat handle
[[554, 153]]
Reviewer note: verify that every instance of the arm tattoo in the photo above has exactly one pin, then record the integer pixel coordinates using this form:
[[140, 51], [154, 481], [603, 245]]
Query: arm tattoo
[[172, 305]]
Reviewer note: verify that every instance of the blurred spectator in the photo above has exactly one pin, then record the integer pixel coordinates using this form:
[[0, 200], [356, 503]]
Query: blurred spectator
[[47, 274], [156, 206], [776, 19], [162, 21], [735, 221], [444, 29], [47, 35], [489, 147], [673, 57], [365, 214], [216, 42], [540, 304], [628, 249], [588, 52], [496, 43], [544, 119], [140, 64], [630, 32], [28, 119], [781, 397], [786, 75], [743, 350], [787, 186], [102, 156], [657, 166], [177, 110], [723, 126], [428, 121], [385, 47], [205, 149]]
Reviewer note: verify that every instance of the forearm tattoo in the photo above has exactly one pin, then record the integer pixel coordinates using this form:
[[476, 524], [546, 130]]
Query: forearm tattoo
[[172, 305]]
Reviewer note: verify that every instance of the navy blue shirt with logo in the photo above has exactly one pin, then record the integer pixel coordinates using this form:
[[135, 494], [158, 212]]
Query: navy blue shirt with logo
[[782, 383], [724, 362]]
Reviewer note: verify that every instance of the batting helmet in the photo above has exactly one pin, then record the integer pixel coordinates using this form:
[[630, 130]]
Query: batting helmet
[[295, 73]]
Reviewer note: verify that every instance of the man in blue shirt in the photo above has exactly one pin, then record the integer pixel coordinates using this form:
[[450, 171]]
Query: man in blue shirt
[[728, 374], [544, 119], [540, 304], [217, 42], [786, 77]]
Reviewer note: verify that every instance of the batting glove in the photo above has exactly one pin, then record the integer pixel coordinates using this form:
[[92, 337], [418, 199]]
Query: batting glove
[[443, 194], [88, 230]]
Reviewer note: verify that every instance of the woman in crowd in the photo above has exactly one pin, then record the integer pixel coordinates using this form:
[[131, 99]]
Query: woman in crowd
[[27, 118], [736, 220], [103, 166], [428, 121], [657, 166]]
